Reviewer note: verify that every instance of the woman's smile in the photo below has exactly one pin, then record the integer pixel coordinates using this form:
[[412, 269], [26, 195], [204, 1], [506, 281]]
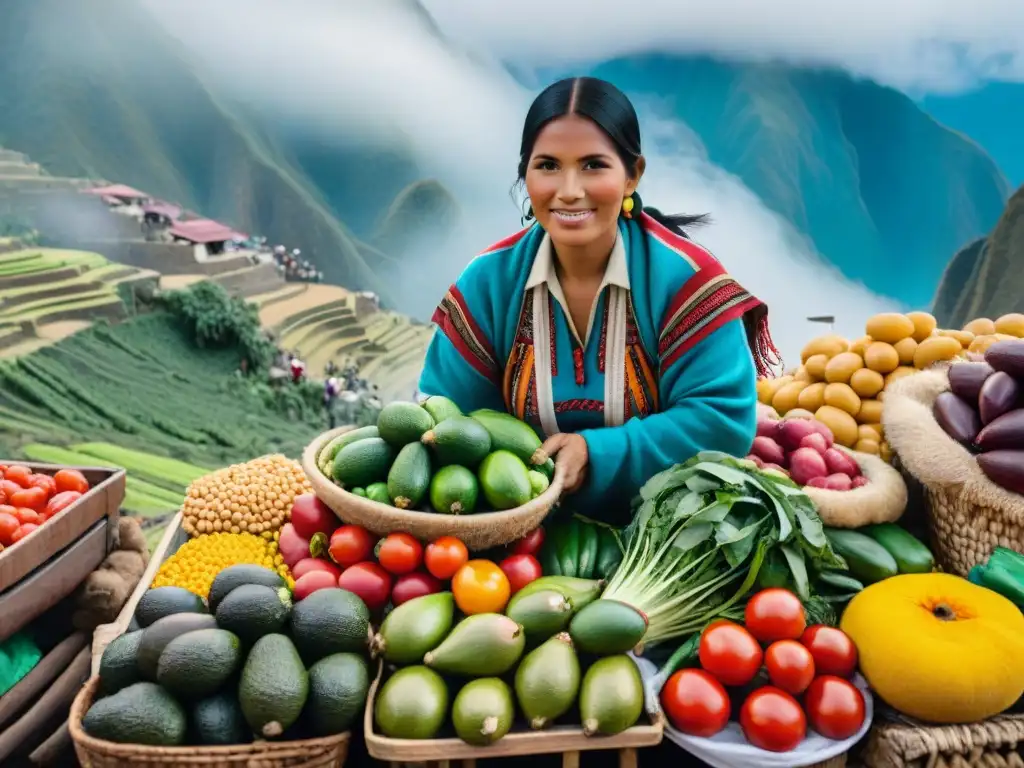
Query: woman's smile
[[569, 218]]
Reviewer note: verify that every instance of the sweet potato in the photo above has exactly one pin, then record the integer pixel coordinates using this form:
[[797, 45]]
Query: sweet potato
[[1004, 468], [1003, 434], [966, 379], [1007, 356], [957, 418], [999, 394]]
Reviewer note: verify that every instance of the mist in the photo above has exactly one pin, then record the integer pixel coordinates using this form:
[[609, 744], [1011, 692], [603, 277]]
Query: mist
[[386, 77]]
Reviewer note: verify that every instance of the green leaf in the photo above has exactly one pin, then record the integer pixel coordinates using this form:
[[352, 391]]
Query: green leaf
[[691, 537], [709, 456], [810, 526], [737, 543], [700, 484], [712, 513], [727, 475], [669, 478], [689, 505], [785, 527], [797, 566]]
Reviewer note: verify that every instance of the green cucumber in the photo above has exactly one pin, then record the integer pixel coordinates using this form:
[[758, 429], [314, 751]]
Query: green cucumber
[[363, 462], [409, 476], [510, 434], [868, 560], [910, 554], [325, 459], [586, 559]]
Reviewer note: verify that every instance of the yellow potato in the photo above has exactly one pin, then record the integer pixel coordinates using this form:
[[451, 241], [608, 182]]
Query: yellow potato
[[870, 432], [860, 345], [815, 366], [905, 349], [1011, 324], [842, 424], [964, 337], [924, 324], [785, 398], [936, 349], [889, 327], [899, 373], [867, 383], [870, 412], [829, 345], [981, 327], [841, 367], [842, 397], [882, 357], [812, 397], [867, 446]]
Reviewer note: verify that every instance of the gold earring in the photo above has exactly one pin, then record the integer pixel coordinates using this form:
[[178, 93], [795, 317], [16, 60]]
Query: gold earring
[[627, 207]]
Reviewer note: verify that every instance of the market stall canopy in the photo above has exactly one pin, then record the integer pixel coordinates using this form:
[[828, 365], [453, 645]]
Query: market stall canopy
[[202, 231]]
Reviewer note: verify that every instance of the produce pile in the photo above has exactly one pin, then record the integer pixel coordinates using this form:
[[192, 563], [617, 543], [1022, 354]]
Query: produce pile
[[435, 459], [843, 383], [984, 411], [28, 499], [247, 664], [804, 450], [755, 673]]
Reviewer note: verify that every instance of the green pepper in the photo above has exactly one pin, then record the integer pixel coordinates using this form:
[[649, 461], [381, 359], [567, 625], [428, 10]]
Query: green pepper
[[588, 549], [1000, 580], [1008, 560], [975, 575], [609, 553]]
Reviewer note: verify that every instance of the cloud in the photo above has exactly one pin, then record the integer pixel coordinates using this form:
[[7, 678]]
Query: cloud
[[387, 75], [916, 45]]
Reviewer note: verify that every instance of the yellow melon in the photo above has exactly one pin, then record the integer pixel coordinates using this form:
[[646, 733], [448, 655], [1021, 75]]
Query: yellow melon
[[924, 323]]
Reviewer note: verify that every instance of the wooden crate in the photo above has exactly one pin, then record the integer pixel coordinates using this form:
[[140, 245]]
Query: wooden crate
[[567, 740]]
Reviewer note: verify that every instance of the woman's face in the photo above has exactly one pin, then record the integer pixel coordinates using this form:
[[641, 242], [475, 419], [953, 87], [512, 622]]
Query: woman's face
[[577, 182]]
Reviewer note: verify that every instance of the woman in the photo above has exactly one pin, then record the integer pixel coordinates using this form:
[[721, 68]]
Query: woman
[[625, 344]]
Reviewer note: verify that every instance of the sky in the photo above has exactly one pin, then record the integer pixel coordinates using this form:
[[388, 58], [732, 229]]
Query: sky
[[382, 72]]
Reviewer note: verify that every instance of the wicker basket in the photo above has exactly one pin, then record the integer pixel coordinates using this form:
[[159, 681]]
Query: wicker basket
[[882, 500], [968, 514], [896, 741], [478, 532], [328, 752]]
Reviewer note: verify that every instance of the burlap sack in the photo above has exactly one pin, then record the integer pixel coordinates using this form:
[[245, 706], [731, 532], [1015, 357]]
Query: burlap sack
[[882, 500], [969, 515]]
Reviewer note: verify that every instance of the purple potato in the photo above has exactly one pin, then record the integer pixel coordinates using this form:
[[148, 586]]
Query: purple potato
[[957, 418], [966, 379], [1007, 356], [999, 394], [1003, 434], [1004, 468]]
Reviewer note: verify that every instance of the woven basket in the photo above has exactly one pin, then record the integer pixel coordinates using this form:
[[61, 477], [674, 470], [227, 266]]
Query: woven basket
[[968, 514], [896, 741], [328, 752], [882, 500], [478, 532]]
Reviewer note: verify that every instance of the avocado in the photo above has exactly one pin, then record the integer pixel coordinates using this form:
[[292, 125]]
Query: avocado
[[510, 434], [378, 492], [143, 713], [325, 459], [440, 408], [454, 490], [482, 645], [483, 711], [236, 575], [331, 620], [547, 681], [409, 476], [580, 592], [401, 423], [607, 627], [253, 610], [337, 693], [119, 666], [196, 664], [156, 637], [504, 480], [611, 696], [218, 721], [459, 440], [362, 463], [414, 627], [538, 483], [274, 686], [165, 601], [542, 614], [412, 704]]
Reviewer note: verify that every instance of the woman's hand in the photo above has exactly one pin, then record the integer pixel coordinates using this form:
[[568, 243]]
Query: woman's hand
[[570, 452]]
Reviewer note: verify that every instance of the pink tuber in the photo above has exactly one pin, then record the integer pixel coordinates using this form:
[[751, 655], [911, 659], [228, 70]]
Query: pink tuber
[[837, 461], [838, 482], [859, 482], [756, 459], [768, 450], [791, 432], [815, 441], [806, 464]]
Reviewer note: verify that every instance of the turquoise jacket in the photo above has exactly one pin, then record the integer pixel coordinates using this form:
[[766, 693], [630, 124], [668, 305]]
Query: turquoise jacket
[[664, 371]]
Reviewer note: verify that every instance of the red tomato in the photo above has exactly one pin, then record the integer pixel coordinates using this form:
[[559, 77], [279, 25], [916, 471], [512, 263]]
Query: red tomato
[[835, 707], [790, 666], [30, 498], [730, 653], [370, 582], [351, 544], [310, 516], [833, 651], [312, 564], [445, 556], [8, 525], [521, 570], [775, 614], [22, 532], [61, 501], [530, 544], [18, 474], [26, 515], [71, 480], [413, 585], [772, 719], [312, 581], [9, 488], [400, 553], [45, 482], [695, 702]]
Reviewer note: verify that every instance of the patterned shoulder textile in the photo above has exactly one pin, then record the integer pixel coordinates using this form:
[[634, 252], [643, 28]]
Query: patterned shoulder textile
[[520, 380], [453, 318], [641, 376]]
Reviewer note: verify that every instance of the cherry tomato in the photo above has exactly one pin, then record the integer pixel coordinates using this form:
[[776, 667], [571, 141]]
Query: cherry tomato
[[351, 544], [26, 515], [30, 498], [833, 651], [521, 570], [45, 482], [370, 582], [530, 544], [18, 474], [311, 581], [790, 666], [400, 553], [71, 480], [835, 707], [311, 516], [730, 653], [480, 586], [311, 564], [772, 719], [9, 488], [8, 525], [444, 557], [60, 502], [413, 585], [22, 532], [696, 703], [775, 614]]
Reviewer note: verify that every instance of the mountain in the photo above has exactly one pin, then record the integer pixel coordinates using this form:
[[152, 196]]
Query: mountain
[[986, 277]]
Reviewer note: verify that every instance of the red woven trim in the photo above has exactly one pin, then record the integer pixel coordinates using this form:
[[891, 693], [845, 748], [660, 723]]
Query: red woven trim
[[508, 242], [452, 316], [700, 311]]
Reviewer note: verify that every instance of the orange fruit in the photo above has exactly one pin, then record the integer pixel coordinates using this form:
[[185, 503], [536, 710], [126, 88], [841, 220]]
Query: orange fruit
[[480, 586]]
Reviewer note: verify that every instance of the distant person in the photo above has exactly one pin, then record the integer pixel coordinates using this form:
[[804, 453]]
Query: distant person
[[331, 389], [298, 369]]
